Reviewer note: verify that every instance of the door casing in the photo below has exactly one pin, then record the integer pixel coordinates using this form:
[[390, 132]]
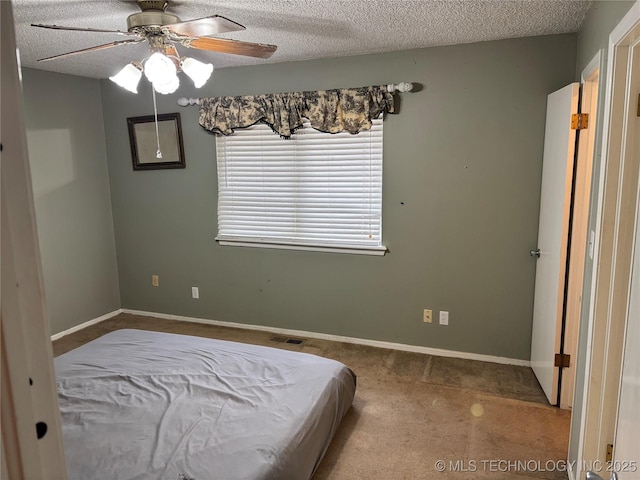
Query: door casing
[[614, 243], [579, 247]]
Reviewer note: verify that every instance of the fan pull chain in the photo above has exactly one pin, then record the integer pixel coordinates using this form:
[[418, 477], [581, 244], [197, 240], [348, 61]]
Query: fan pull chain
[[155, 112]]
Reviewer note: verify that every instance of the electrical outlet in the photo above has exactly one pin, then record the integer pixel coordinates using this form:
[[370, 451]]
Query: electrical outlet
[[155, 280], [195, 293], [427, 316], [444, 318]]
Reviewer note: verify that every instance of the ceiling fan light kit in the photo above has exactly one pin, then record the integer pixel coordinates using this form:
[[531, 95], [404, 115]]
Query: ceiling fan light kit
[[162, 72], [166, 86], [162, 31], [197, 71], [129, 77]]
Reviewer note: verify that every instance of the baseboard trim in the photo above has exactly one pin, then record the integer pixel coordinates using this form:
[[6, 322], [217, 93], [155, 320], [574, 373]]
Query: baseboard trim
[[86, 324], [338, 338]]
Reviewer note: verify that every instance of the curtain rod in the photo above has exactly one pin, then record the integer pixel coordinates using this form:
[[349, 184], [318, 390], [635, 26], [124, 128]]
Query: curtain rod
[[392, 87]]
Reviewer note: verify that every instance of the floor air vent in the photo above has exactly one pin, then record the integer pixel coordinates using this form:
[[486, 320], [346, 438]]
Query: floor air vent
[[295, 341]]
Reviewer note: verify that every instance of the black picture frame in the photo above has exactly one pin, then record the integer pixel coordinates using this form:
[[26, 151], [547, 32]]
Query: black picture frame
[[142, 137]]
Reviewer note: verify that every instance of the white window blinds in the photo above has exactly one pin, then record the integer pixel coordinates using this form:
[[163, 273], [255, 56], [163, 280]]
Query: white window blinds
[[315, 189]]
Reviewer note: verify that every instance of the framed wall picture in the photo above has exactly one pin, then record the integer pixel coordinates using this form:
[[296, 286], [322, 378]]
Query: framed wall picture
[[144, 142]]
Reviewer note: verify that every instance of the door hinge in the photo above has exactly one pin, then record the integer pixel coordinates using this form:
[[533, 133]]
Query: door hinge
[[562, 360], [609, 456], [639, 104], [579, 121]]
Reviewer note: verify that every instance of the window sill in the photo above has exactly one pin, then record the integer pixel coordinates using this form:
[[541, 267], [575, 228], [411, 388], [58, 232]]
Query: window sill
[[355, 250]]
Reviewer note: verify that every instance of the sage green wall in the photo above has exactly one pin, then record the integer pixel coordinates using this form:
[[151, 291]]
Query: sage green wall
[[462, 170], [601, 19], [67, 155]]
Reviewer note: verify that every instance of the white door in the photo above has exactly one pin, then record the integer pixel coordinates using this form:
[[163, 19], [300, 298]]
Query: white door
[[553, 228]]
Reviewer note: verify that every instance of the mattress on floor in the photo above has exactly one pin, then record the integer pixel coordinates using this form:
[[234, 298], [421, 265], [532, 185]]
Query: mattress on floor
[[147, 405]]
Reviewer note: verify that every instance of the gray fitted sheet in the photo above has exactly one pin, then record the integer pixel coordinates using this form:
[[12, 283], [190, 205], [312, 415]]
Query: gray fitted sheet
[[147, 405]]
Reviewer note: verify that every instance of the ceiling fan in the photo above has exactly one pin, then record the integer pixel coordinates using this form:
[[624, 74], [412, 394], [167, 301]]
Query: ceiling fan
[[162, 31]]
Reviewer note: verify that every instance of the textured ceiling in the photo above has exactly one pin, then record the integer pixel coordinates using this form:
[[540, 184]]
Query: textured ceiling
[[302, 29]]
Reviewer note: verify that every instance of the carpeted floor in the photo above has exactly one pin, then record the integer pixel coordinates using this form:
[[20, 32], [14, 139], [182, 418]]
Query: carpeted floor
[[411, 411]]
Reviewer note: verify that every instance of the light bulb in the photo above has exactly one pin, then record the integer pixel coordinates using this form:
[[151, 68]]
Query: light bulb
[[159, 68], [129, 77], [197, 71], [167, 87]]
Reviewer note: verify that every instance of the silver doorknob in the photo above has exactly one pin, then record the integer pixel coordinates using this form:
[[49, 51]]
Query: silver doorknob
[[535, 253]]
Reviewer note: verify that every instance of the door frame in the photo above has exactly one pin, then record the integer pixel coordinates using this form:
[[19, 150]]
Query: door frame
[[611, 279], [27, 377], [580, 245]]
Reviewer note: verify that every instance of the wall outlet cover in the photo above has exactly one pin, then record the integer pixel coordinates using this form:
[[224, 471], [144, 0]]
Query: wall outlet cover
[[444, 318]]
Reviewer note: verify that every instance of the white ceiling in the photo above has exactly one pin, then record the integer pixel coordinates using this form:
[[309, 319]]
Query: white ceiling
[[302, 29]]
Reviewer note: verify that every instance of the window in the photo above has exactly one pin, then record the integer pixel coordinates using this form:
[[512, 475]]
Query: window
[[315, 191]]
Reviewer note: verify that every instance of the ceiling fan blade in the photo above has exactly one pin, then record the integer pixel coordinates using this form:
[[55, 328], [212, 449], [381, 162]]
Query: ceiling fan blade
[[234, 47], [204, 27], [92, 49], [81, 29], [170, 51], [172, 54]]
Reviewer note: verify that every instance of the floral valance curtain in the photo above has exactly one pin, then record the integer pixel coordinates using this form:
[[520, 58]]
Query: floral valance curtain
[[331, 111]]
